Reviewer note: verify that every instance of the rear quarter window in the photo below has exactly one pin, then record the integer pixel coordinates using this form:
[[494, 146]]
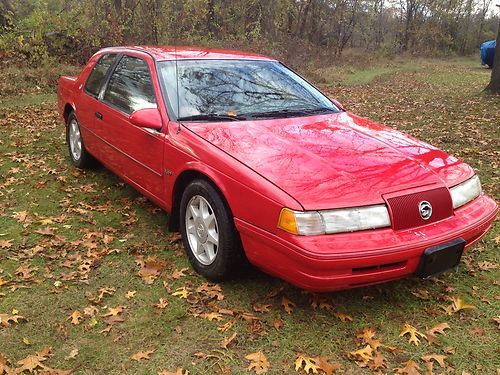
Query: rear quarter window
[[98, 74]]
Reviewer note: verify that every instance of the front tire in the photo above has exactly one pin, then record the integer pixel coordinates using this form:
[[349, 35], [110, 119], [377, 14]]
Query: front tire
[[79, 155], [210, 239]]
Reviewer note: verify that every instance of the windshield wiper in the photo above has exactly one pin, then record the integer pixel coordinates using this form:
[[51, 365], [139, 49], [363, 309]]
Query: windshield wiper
[[211, 117], [290, 112]]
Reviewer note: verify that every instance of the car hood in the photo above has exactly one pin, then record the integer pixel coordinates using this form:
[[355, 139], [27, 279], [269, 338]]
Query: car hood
[[334, 160]]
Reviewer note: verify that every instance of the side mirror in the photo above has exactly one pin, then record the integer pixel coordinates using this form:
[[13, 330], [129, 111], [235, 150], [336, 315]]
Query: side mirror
[[338, 104], [146, 118]]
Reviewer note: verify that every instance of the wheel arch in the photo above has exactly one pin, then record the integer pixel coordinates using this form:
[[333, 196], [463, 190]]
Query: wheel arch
[[68, 108], [181, 182]]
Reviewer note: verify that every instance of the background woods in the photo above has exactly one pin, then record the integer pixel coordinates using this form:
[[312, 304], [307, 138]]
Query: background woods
[[288, 29]]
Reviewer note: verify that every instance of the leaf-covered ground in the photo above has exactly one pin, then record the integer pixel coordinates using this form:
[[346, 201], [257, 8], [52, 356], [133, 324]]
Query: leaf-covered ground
[[91, 282]]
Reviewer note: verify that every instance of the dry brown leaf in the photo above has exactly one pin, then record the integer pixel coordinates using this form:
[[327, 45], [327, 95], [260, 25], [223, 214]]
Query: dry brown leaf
[[182, 292], [363, 355], [226, 326], [211, 291], [439, 328], [72, 354], [228, 340], [379, 362], [414, 334], [262, 308], [130, 294], [5, 244], [435, 357], [457, 305], [258, 362], [410, 368], [141, 356], [177, 274], [34, 362], [307, 363], [212, 316], [45, 231], [478, 331], [4, 364], [288, 305], [162, 304], [179, 371], [6, 319], [150, 268], [343, 317], [75, 317], [327, 367], [278, 324], [113, 311]]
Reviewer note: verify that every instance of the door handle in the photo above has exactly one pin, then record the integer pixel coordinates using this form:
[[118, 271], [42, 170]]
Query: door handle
[[98, 115]]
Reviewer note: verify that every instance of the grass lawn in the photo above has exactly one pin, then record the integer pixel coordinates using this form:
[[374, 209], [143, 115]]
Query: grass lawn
[[88, 265]]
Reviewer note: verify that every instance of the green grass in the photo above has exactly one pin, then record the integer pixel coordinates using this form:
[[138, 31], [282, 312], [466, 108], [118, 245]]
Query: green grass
[[19, 102], [438, 101]]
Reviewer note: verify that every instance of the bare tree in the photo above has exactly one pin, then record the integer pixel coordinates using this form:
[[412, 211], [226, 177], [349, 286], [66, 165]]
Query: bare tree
[[494, 85]]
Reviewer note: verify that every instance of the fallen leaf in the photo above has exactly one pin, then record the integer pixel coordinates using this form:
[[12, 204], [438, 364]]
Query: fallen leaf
[[262, 308], [228, 340], [288, 305], [327, 367], [363, 355], [130, 294], [162, 304], [457, 305], [379, 362], [414, 334], [45, 231], [478, 331], [212, 316], [141, 356], [5, 244], [113, 311], [343, 317], [436, 357], [72, 354], [438, 328], [258, 362], [307, 363], [277, 324], [410, 368], [179, 371], [182, 292], [177, 274], [75, 317], [6, 319], [226, 326]]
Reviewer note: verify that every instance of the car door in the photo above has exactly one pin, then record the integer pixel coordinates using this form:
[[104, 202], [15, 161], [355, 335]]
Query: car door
[[136, 153], [88, 101]]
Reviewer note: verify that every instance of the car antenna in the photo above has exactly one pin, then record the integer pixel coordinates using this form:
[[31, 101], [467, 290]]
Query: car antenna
[[177, 82]]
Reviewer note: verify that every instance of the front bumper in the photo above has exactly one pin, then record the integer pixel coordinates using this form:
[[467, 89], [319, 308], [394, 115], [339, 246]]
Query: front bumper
[[349, 260]]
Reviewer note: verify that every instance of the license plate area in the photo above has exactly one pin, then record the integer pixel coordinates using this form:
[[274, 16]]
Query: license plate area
[[441, 258]]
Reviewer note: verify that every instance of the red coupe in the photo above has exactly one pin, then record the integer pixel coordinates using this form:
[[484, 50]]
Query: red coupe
[[254, 163]]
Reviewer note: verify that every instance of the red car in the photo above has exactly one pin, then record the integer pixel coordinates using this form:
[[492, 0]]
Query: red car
[[254, 163]]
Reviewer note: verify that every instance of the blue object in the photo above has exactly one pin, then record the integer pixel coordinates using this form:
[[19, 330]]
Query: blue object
[[488, 52]]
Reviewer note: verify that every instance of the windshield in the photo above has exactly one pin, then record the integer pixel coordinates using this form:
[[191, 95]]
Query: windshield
[[228, 90]]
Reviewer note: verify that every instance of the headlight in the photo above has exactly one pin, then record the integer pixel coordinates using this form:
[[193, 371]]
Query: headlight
[[309, 223], [466, 191]]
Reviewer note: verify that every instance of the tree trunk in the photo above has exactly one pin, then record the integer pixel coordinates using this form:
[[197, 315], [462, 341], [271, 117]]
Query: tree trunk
[[494, 86]]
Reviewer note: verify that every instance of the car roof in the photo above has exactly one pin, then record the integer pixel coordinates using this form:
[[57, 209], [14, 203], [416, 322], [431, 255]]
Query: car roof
[[182, 52]]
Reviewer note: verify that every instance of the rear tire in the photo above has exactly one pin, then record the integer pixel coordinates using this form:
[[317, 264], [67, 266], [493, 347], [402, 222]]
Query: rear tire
[[211, 241], [79, 155]]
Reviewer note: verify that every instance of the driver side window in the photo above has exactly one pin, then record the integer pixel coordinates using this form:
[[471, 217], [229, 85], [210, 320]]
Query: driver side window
[[130, 87]]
